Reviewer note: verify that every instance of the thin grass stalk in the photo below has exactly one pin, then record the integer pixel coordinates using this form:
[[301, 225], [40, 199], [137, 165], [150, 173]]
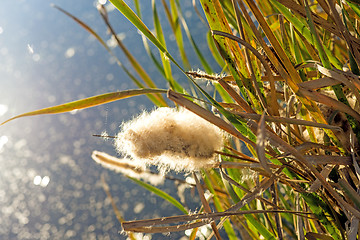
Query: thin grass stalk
[[299, 221], [278, 221], [113, 205], [165, 61], [134, 19], [173, 19], [218, 205], [206, 206], [256, 83], [146, 44], [318, 45], [201, 57], [138, 68]]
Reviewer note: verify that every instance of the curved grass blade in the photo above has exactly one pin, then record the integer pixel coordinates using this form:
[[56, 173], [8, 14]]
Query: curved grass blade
[[88, 102], [161, 194], [215, 53], [260, 58], [82, 24]]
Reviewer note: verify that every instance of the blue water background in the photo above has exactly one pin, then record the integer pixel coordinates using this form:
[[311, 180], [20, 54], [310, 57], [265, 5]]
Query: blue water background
[[49, 186]]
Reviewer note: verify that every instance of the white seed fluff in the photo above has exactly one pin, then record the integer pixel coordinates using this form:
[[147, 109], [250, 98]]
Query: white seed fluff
[[171, 139]]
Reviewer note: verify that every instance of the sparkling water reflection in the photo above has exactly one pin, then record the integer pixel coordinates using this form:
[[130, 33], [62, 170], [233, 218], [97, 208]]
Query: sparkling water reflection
[[50, 187]]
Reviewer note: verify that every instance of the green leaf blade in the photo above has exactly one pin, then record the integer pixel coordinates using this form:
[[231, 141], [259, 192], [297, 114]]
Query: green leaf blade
[[161, 194], [88, 102]]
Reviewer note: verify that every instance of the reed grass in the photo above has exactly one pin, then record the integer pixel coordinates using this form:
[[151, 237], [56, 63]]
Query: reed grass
[[288, 100]]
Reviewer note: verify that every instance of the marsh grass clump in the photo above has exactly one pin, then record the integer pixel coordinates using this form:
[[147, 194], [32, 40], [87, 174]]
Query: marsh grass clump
[[291, 109], [170, 138]]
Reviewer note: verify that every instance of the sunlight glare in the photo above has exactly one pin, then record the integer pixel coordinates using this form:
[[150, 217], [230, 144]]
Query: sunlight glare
[[45, 181], [3, 141], [30, 48], [42, 181], [3, 109], [70, 52], [37, 180], [75, 111]]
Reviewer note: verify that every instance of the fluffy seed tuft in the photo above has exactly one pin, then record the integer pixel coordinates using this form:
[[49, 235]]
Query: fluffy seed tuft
[[171, 139]]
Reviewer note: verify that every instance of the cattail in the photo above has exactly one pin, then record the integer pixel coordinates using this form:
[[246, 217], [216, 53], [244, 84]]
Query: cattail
[[126, 167], [171, 139]]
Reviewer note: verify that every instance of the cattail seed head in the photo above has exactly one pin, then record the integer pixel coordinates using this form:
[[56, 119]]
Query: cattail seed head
[[126, 167], [171, 139]]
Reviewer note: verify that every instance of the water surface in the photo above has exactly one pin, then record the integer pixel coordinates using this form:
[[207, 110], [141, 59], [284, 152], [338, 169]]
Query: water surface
[[49, 186]]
